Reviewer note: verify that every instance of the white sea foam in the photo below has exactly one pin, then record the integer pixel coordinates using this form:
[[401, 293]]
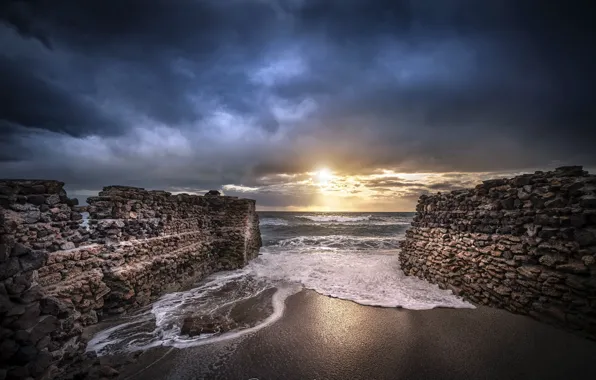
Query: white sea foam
[[357, 220], [85, 221], [273, 222], [335, 218], [336, 243], [368, 279], [161, 324]]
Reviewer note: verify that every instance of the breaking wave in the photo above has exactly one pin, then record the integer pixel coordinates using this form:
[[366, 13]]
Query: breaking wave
[[334, 218], [337, 243], [273, 222]]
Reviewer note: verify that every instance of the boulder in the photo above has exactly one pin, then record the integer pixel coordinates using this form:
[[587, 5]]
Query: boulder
[[204, 324]]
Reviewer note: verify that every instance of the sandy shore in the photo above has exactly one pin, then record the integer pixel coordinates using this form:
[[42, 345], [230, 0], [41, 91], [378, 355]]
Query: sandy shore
[[325, 338]]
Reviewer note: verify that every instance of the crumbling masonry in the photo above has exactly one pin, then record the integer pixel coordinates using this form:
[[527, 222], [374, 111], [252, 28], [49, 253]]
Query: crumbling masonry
[[58, 274]]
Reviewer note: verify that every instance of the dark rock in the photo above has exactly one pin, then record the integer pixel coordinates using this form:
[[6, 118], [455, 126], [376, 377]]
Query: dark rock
[[5, 201], [34, 260], [20, 249], [551, 260], [502, 290], [9, 268], [588, 201], [5, 190], [43, 342], [89, 318], [46, 325], [578, 220], [21, 337], [4, 252], [39, 364], [555, 203], [13, 309], [544, 220], [8, 348], [571, 171], [53, 306], [34, 293], [108, 371], [37, 199], [53, 200], [32, 216], [537, 202], [25, 355], [29, 318], [40, 188], [18, 284], [198, 325], [585, 237], [508, 204], [578, 268], [18, 373], [213, 193], [589, 260], [488, 184], [522, 181], [546, 233]]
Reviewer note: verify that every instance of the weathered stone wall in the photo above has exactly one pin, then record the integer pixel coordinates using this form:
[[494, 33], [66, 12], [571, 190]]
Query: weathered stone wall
[[526, 244], [58, 275]]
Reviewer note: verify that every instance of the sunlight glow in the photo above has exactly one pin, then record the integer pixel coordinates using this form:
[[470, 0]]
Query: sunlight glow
[[324, 175]]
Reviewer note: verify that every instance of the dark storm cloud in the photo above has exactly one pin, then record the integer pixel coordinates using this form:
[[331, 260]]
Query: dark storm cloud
[[29, 101], [147, 56], [202, 93]]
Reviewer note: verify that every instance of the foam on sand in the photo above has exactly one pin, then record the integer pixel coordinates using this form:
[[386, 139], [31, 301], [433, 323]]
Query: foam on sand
[[368, 279]]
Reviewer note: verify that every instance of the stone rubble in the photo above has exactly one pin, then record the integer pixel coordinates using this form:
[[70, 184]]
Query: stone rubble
[[58, 275], [526, 244]]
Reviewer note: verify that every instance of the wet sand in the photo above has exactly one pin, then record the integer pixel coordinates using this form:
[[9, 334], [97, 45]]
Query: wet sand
[[325, 338]]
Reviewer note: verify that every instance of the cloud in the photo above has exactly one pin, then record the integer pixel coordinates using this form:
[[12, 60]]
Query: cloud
[[256, 94]]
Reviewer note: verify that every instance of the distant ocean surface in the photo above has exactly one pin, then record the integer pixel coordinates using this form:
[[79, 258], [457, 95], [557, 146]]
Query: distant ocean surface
[[352, 256]]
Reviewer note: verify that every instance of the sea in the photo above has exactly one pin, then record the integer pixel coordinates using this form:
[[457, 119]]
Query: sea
[[351, 256]]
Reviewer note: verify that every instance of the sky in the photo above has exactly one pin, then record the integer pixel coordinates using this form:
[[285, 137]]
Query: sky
[[343, 105]]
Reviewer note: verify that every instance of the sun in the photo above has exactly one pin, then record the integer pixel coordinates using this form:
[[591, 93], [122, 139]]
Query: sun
[[324, 175]]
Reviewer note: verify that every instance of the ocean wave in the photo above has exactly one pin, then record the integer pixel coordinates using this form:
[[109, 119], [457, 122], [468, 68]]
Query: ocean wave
[[334, 218], [273, 222], [337, 242]]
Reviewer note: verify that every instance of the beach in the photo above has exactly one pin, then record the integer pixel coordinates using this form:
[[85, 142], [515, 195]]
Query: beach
[[320, 337]]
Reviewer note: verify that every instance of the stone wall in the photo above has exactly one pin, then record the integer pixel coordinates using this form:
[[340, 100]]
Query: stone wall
[[526, 244], [58, 274]]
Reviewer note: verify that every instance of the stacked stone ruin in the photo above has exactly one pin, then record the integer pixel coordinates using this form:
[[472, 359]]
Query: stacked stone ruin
[[58, 275], [526, 244]]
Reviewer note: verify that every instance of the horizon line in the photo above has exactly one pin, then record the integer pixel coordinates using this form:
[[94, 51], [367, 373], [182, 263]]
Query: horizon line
[[329, 211]]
